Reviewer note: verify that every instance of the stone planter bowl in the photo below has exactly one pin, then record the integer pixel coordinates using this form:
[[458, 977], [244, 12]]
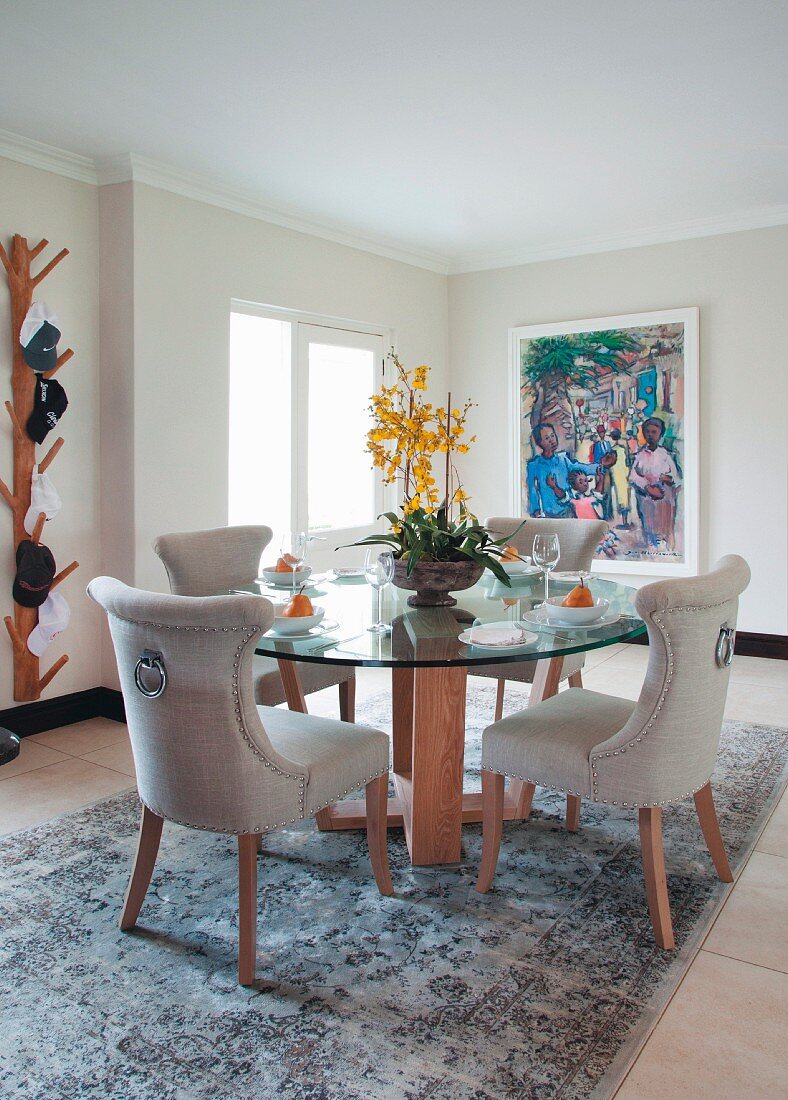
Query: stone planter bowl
[[432, 581]]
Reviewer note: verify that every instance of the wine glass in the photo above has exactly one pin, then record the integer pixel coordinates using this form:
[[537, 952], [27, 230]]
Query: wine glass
[[293, 550], [379, 570], [546, 553]]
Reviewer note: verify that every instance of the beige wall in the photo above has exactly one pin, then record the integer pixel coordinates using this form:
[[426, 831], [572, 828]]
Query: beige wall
[[190, 261], [739, 282], [39, 204], [163, 270]]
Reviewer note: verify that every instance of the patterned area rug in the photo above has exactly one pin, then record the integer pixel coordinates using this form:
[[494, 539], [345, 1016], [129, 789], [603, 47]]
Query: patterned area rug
[[543, 988]]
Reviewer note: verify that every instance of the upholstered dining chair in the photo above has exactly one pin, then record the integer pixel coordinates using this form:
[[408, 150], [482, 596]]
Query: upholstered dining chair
[[577, 539], [203, 563], [208, 757], [641, 755]]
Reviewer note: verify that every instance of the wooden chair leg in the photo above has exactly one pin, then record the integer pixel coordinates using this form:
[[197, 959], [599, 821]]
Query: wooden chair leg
[[499, 700], [247, 907], [576, 679], [650, 821], [522, 794], [492, 827], [144, 862], [377, 793], [347, 699], [707, 815], [572, 813]]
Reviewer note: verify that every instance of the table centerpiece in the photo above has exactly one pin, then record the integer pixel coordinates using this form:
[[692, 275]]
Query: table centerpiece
[[438, 544]]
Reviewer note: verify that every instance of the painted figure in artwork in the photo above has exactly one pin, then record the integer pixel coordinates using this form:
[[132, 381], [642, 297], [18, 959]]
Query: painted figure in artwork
[[603, 446], [548, 475], [620, 473], [655, 478]]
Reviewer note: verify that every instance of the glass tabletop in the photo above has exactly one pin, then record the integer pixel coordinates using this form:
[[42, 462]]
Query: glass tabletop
[[424, 637]]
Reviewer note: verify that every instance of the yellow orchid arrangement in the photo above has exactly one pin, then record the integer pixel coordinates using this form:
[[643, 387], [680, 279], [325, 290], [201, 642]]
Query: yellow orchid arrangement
[[409, 435]]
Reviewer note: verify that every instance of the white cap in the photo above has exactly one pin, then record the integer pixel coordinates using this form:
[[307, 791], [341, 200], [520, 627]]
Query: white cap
[[43, 498], [54, 615], [38, 314]]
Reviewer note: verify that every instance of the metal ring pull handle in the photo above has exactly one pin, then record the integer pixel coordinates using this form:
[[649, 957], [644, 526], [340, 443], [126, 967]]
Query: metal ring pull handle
[[149, 658], [723, 654]]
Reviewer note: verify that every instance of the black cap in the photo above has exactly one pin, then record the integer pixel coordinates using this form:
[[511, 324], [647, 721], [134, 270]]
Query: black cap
[[40, 352], [49, 404], [35, 571]]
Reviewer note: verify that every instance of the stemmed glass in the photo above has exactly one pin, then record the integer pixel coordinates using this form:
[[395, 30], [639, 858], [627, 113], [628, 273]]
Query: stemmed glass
[[379, 571], [293, 550], [546, 553]]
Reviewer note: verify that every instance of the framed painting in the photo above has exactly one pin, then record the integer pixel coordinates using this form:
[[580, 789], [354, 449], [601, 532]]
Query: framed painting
[[606, 426]]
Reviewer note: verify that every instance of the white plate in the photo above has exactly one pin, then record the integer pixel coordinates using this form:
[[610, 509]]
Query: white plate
[[515, 569], [528, 638], [285, 580], [346, 576], [566, 576], [325, 627], [537, 619]]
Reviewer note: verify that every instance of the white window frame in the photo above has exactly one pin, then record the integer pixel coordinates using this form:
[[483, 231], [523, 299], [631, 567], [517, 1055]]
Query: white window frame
[[299, 470]]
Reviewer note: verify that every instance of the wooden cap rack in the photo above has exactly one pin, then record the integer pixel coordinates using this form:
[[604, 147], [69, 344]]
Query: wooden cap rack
[[28, 682]]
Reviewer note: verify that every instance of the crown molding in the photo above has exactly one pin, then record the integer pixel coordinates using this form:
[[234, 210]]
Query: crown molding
[[191, 185], [761, 218], [130, 167], [39, 155]]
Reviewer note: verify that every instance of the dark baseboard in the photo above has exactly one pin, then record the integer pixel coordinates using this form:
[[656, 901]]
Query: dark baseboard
[[749, 644], [63, 710]]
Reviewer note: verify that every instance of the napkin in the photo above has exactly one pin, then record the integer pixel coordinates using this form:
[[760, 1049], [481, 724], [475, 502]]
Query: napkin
[[503, 636]]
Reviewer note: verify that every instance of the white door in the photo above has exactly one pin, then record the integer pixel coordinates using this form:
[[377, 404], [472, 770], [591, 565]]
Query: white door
[[337, 496]]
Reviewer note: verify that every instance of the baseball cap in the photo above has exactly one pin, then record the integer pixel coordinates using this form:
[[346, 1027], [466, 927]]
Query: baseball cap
[[43, 498], [35, 571], [38, 336], [49, 404], [54, 615]]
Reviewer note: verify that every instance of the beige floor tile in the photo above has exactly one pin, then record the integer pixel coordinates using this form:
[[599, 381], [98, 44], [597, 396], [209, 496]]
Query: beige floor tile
[[118, 757], [722, 1037], [760, 670], [633, 657], [31, 756], [596, 657], [611, 679], [753, 924], [39, 795], [774, 838], [83, 737], [757, 703]]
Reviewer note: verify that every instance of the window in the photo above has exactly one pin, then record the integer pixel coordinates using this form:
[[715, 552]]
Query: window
[[299, 414]]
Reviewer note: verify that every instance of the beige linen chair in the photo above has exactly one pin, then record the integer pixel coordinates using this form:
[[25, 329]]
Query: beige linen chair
[[642, 755], [206, 756], [578, 539], [203, 563]]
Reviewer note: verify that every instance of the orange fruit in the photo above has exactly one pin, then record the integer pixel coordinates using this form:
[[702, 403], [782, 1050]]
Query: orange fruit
[[580, 596], [299, 606]]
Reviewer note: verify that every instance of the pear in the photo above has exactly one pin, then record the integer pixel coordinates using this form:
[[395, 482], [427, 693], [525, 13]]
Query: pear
[[299, 606], [580, 596]]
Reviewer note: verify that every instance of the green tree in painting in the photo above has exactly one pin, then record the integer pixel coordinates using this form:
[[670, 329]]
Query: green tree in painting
[[550, 365]]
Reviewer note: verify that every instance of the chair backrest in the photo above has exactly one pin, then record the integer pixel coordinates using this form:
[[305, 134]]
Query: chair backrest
[[202, 563], [577, 538], [668, 747], [200, 750]]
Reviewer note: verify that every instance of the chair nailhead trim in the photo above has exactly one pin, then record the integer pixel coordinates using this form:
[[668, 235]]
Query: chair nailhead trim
[[249, 633]]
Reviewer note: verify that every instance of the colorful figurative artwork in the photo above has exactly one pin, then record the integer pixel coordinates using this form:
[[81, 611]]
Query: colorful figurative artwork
[[607, 429]]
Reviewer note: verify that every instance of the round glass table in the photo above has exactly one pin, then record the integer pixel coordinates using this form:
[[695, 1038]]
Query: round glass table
[[429, 666]]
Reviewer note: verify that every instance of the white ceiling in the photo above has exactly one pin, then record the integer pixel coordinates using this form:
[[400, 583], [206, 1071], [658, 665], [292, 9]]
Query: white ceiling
[[472, 132]]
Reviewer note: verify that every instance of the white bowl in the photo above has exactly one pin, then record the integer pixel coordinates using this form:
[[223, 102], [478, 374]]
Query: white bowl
[[285, 580], [574, 616], [512, 568], [285, 624]]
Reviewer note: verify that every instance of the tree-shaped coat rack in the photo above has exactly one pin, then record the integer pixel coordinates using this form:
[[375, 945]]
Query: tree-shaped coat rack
[[28, 682]]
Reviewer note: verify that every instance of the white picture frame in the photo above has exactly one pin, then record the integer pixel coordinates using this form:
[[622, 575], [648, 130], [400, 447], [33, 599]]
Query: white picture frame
[[675, 554]]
